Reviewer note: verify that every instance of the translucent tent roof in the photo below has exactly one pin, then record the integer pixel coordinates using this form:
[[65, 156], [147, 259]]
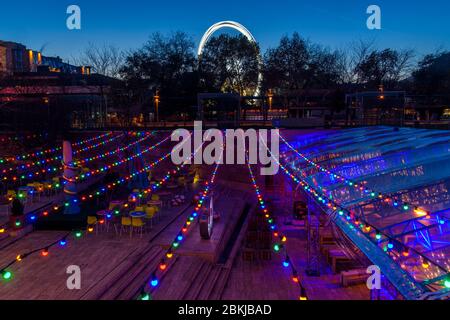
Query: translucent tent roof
[[402, 165]]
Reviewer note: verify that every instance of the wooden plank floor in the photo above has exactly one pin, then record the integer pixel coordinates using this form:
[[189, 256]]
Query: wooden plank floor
[[113, 267], [230, 207], [38, 277], [263, 280]]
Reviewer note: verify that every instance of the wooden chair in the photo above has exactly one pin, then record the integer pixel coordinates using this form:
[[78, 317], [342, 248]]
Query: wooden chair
[[355, 276]]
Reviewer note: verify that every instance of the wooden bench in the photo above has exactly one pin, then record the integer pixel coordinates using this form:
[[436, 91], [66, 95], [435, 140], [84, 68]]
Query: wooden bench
[[336, 256], [249, 254], [326, 237], [325, 250], [355, 276]]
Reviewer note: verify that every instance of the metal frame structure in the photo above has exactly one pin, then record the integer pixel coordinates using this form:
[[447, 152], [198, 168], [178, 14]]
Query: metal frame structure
[[405, 164]]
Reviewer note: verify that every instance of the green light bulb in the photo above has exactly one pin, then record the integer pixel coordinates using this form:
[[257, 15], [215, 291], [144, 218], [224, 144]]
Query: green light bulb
[[447, 283], [145, 296], [7, 275]]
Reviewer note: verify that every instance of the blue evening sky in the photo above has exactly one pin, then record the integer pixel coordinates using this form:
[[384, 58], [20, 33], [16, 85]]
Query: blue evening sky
[[420, 25]]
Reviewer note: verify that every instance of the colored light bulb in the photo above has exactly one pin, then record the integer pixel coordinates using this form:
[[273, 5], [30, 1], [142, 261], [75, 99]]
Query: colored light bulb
[[6, 275], [44, 252], [276, 248], [154, 281], [447, 283], [144, 296], [62, 242]]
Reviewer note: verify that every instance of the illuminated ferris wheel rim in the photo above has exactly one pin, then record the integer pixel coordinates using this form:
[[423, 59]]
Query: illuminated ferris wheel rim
[[236, 26]]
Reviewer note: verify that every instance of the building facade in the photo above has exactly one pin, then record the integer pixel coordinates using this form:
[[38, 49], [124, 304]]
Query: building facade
[[17, 58]]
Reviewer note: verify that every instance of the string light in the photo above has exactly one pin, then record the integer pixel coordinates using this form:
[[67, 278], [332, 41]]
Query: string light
[[41, 162], [6, 275], [176, 243], [335, 176], [295, 276], [286, 262], [44, 252], [276, 247], [144, 296], [162, 265], [330, 203], [51, 150], [447, 283], [154, 280], [303, 294]]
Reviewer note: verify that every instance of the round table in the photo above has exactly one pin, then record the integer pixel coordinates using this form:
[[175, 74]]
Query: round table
[[104, 212], [117, 203], [154, 202], [137, 214]]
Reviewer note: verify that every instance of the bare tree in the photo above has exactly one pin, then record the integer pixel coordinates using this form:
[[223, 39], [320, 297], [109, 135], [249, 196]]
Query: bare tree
[[357, 53], [106, 60]]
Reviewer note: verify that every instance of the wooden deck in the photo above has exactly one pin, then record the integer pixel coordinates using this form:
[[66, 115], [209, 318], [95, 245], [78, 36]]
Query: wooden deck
[[264, 280], [114, 267], [104, 259]]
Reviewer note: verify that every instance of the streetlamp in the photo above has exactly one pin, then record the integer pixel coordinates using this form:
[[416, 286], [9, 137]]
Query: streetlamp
[[156, 103], [381, 90], [270, 96]]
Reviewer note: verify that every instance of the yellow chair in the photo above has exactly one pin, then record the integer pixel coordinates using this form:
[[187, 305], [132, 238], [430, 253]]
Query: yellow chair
[[23, 196], [91, 222], [11, 194], [125, 222], [137, 223], [150, 214], [56, 184], [38, 188]]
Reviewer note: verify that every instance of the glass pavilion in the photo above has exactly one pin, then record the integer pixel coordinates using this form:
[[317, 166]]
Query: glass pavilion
[[387, 189]]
